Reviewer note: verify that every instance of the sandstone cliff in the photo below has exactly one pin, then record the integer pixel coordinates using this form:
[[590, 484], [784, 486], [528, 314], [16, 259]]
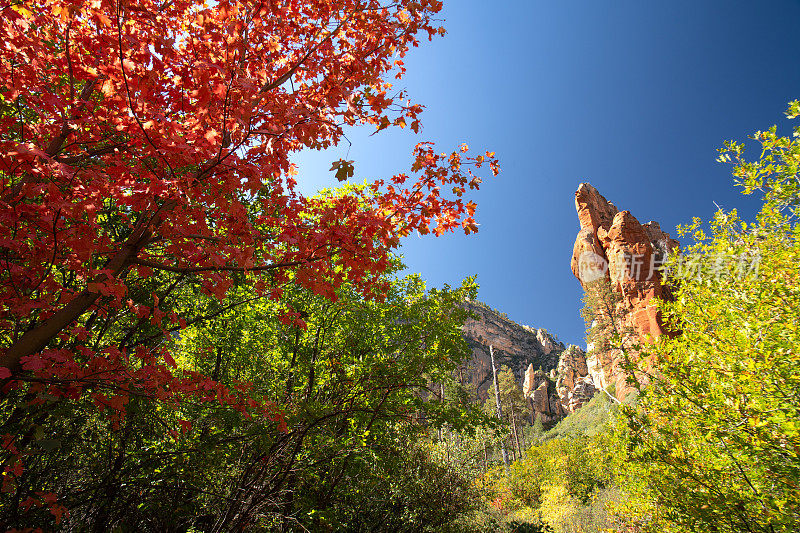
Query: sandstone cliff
[[539, 389], [555, 379], [613, 244], [515, 346], [563, 390]]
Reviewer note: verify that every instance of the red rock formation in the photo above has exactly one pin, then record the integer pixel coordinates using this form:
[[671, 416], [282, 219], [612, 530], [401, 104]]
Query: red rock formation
[[614, 244]]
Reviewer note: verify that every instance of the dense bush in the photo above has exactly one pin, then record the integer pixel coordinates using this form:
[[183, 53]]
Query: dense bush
[[350, 451], [566, 480]]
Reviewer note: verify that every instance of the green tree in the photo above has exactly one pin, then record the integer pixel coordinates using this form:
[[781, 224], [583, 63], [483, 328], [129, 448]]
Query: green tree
[[516, 410], [718, 433], [349, 375]]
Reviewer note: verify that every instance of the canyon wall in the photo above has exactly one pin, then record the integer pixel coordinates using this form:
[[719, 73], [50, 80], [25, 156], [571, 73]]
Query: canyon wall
[[557, 379], [552, 375], [515, 346]]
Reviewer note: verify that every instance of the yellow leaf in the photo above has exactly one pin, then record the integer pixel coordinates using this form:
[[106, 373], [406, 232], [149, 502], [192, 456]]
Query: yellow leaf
[[23, 11]]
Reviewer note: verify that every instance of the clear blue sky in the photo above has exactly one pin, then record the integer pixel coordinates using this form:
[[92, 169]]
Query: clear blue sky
[[632, 96]]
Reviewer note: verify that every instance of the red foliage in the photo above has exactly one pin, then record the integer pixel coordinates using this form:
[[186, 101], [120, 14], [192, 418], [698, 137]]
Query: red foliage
[[152, 137]]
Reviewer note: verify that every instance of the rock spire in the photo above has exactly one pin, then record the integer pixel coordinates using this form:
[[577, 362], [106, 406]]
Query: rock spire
[[615, 245]]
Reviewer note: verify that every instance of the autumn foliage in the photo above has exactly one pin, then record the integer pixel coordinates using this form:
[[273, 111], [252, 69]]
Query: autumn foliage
[[148, 144], [157, 136]]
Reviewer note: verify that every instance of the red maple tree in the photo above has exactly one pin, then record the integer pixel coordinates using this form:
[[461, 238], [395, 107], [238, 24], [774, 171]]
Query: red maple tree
[[143, 142]]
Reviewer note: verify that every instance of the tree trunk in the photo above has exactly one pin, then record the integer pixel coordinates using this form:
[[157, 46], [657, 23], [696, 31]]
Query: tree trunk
[[36, 339], [499, 406], [514, 429]]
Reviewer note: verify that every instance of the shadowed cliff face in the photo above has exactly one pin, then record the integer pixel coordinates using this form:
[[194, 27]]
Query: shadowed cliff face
[[515, 346], [613, 244]]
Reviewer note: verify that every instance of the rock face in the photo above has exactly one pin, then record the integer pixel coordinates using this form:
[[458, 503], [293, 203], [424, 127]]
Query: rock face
[[613, 244], [515, 346], [571, 367], [564, 390], [555, 379], [583, 392], [575, 386], [544, 341], [540, 391]]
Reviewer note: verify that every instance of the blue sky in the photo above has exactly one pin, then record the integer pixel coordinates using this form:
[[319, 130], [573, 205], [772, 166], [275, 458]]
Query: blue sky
[[634, 97]]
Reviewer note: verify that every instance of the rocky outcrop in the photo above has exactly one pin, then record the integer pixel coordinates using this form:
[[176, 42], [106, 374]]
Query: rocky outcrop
[[571, 367], [583, 392], [594, 366], [574, 385], [540, 391], [545, 341], [515, 346], [540, 398], [566, 388], [613, 244], [555, 379]]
